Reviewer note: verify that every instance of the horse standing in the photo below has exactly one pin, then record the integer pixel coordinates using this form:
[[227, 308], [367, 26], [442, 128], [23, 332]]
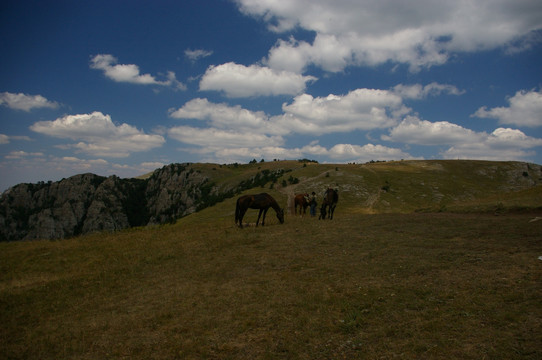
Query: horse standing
[[262, 202], [331, 198], [301, 200]]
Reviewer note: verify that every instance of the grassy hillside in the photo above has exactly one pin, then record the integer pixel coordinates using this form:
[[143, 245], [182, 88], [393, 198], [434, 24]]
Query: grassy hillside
[[372, 283], [400, 186]]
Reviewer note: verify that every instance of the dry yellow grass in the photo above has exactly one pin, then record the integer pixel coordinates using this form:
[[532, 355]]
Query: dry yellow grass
[[379, 281], [425, 286]]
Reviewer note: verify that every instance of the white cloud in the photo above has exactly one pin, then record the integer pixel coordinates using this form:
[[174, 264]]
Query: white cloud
[[506, 138], [5, 139], [266, 152], [368, 152], [412, 130], [339, 153], [25, 102], [232, 132], [289, 55], [361, 109], [98, 135], [19, 154], [130, 73], [418, 92], [224, 116], [25, 166], [236, 80], [502, 144], [419, 33], [195, 55], [525, 110], [222, 138], [327, 51]]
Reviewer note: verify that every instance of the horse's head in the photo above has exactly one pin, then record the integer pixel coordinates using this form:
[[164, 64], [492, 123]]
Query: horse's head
[[280, 216]]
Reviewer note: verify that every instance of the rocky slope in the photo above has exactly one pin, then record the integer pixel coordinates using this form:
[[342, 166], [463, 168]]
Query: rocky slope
[[87, 202]]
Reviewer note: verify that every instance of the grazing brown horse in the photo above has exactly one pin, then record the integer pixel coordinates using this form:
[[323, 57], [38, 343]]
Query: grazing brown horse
[[261, 201], [301, 200], [331, 198]]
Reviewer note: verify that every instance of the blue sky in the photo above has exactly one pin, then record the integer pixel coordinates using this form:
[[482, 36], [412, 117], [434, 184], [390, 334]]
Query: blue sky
[[125, 87]]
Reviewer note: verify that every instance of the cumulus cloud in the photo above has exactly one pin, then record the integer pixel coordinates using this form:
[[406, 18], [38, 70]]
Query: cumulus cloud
[[525, 110], [19, 154], [506, 138], [360, 109], [501, 144], [327, 51], [195, 55], [5, 139], [266, 152], [339, 153], [419, 33], [368, 152], [418, 91], [233, 130], [130, 73], [224, 116], [230, 130], [98, 135], [412, 130], [25, 102], [222, 138], [232, 133], [236, 80]]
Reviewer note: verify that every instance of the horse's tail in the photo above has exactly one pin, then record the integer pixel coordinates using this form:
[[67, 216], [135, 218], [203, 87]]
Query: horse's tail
[[237, 211]]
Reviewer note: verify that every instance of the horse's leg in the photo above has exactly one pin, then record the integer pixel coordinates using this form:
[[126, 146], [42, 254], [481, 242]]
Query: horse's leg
[[241, 215], [264, 213], [322, 212], [259, 214]]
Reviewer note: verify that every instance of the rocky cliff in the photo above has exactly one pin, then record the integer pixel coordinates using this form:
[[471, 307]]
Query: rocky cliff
[[87, 202]]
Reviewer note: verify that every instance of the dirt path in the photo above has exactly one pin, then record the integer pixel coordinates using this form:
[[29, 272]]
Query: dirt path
[[373, 199]]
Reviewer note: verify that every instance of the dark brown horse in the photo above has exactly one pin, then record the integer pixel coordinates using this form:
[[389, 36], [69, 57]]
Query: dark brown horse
[[301, 200], [331, 198], [260, 201]]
